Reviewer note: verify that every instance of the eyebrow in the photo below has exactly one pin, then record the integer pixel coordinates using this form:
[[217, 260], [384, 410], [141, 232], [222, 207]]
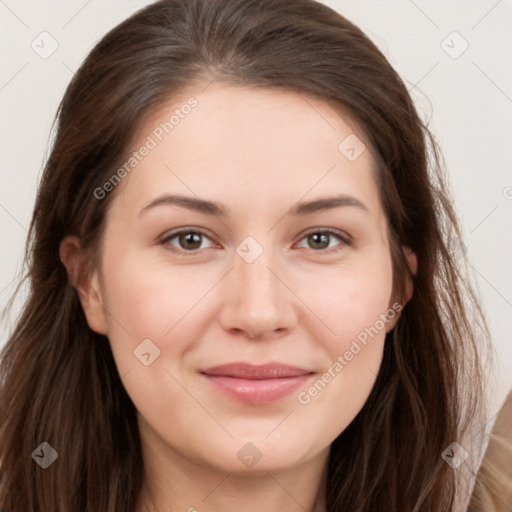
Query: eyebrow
[[213, 208]]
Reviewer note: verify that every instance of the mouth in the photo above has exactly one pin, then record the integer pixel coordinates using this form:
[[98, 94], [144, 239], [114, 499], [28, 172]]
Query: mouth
[[256, 385]]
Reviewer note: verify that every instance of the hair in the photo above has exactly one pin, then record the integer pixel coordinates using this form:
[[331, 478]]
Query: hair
[[59, 382]]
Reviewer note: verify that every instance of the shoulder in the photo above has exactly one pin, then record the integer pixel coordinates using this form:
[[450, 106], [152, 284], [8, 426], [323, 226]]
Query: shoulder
[[493, 483]]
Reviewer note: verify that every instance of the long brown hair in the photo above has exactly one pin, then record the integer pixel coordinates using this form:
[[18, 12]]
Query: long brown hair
[[59, 382]]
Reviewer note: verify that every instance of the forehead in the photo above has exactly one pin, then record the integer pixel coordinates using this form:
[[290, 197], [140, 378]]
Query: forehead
[[259, 145]]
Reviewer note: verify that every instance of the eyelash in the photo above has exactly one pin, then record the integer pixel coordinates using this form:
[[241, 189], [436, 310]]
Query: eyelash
[[345, 239]]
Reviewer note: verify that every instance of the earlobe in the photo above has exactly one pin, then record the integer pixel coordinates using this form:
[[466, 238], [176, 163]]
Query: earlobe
[[86, 283]]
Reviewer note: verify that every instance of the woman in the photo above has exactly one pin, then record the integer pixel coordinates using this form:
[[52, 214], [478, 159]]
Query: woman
[[260, 371]]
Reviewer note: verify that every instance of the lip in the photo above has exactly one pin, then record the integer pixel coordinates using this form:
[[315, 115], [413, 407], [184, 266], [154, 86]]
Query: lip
[[256, 384]]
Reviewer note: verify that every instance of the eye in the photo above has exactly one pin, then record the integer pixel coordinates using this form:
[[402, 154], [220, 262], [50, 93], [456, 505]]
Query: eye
[[320, 240], [189, 240]]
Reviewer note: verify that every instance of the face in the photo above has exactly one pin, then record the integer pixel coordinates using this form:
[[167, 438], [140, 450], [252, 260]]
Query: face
[[267, 275]]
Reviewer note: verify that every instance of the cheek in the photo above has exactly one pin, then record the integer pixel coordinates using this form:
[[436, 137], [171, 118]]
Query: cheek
[[147, 300], [355, 305], [351, 301], [151, 302]]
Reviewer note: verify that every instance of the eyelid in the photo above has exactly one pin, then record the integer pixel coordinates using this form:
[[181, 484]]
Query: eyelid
[[332, 231], [345, 238], [172, 234]]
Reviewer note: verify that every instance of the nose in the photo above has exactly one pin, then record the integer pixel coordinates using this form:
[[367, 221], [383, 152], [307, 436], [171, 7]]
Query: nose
[[257, 299]]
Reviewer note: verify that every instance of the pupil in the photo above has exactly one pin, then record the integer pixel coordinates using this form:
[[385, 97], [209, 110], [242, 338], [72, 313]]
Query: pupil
[[321, 238], [191, 238]]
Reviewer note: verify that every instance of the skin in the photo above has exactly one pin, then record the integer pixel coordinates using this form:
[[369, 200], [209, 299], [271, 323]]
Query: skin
[[301, 302]]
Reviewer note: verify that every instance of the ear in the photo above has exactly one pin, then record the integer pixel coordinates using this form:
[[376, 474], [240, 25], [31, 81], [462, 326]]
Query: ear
[[412, 261], [86, 283]]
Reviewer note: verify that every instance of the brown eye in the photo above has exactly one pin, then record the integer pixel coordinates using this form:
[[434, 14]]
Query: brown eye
[[188, 240], [320, 240]]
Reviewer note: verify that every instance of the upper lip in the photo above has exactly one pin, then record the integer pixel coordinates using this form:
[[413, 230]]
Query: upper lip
[[250, 371]]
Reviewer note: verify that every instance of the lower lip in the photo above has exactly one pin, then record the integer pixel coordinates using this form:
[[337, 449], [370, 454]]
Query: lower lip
[[255, 391]]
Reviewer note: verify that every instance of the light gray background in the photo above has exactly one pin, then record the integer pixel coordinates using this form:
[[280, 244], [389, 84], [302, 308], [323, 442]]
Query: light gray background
[[467, 97]]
